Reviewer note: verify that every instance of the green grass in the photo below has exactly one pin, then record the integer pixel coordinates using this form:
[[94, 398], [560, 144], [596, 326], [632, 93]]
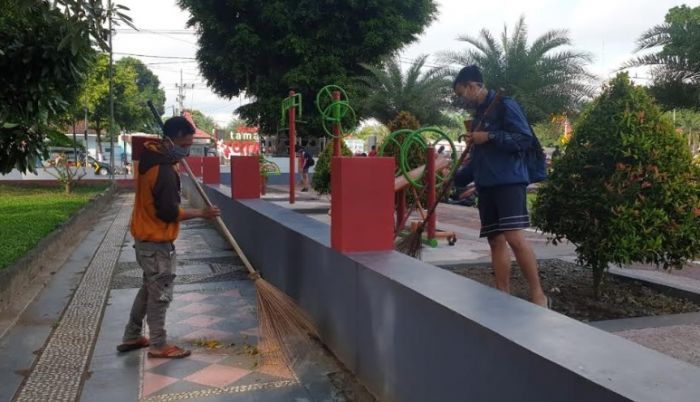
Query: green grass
[[28, 214]]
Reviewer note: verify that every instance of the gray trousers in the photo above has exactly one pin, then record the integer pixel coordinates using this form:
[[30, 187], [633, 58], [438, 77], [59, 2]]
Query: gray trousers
[[158, 263]]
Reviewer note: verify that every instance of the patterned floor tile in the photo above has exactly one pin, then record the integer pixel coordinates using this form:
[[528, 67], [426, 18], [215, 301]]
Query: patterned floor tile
[[155, 382], [217, 375], [179, 368], [207, 357], [201, 320], [232, 293], [192, 297], [152, 362], [198, 308], [209, 334]]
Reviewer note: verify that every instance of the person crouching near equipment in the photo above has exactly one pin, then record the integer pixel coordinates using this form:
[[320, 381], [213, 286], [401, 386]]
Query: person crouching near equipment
[[155, 224]]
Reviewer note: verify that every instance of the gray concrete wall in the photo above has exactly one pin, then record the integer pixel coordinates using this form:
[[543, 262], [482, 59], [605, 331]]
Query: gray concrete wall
[[414, 332]]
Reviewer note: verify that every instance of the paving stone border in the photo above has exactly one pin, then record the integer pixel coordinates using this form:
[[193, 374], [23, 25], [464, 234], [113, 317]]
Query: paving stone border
[[16, 276], [59, 371]]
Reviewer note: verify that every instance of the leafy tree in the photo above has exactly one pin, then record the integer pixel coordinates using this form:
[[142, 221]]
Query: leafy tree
[[267, 47], [234, 124], [202, 121], [387, 90], [687, 122], [543, 77], [39, 79], [127, 103], [676, 61], [148, 86], [45, 54], [625, 190], [321, 180], [378, 130]]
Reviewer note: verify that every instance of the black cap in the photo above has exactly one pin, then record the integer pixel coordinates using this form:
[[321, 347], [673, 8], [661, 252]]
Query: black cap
[[470, 73]]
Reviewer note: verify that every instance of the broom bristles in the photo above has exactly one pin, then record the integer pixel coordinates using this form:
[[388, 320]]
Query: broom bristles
[[286, 332], [412, 245]]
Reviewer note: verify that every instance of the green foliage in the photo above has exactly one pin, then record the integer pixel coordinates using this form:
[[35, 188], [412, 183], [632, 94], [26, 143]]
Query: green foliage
[[39, 79], [403, 120], [139, 117], [234, 124], [687, 122], [267, 47], [133, 85], [378, 130], [29, 214], [548, 133], [387, 90], [545, 79], [202, 121], [676, 61], [45, 55], [625, 190], [321, 181]]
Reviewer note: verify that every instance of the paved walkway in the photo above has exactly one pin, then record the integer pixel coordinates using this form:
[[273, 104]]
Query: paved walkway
[[63, 348]]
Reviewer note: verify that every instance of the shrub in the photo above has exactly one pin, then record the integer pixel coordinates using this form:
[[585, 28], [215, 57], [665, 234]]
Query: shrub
[[321, 181], [625, 190]]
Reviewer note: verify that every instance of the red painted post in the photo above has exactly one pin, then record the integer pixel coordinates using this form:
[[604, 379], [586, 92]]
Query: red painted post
[[245, 177], [430, 179], [336, 129], [211, 170], [362, 190], [292, 115], [195, 163]]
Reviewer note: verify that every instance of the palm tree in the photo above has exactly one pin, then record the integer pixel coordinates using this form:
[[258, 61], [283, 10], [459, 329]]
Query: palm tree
[[676, 41], [543, 78], [674, 61], [421, 91]]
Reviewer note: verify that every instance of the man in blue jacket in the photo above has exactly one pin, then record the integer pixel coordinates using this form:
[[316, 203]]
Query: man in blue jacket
[[498, 170]]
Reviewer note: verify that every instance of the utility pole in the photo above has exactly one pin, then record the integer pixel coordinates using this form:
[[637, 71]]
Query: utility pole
[[181, 88], [111, 97], [87, 147]]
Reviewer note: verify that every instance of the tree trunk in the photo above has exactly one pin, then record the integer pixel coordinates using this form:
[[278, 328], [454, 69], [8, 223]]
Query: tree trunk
[[98, 131], [68, 186]]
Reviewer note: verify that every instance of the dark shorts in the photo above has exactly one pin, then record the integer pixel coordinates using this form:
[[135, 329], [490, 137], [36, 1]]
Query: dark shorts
[[503, 208]]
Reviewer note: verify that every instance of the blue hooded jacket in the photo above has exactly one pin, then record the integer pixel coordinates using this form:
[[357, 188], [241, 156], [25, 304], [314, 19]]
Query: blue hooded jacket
[[499, 161]]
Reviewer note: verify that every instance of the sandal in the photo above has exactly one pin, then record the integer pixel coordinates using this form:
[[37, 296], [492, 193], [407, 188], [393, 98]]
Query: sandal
[[170, 352], [139, 343]]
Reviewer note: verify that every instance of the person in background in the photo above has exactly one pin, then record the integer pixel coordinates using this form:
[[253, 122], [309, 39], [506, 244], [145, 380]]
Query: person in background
[[308, 163], [373, 151]]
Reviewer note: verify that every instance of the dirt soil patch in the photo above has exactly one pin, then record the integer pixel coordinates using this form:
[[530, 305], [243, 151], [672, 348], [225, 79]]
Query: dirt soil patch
[[571, 290]]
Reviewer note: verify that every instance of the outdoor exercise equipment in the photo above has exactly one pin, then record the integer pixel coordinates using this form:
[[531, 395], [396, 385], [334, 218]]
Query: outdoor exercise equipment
[[425, 178], [333, 104], [289, 109]]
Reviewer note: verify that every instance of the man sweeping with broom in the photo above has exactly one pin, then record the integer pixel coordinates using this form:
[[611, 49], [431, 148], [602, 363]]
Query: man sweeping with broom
[[500, 174], [155, 223]]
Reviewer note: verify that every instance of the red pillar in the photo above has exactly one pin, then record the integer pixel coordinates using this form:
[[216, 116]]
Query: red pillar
[[292, 115], [430, 182], [336, 126], [245, 177], [211, 170], [195, 163], [362, 211]]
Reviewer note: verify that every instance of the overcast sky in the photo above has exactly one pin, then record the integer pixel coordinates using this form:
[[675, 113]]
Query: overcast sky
[[605, 28]]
